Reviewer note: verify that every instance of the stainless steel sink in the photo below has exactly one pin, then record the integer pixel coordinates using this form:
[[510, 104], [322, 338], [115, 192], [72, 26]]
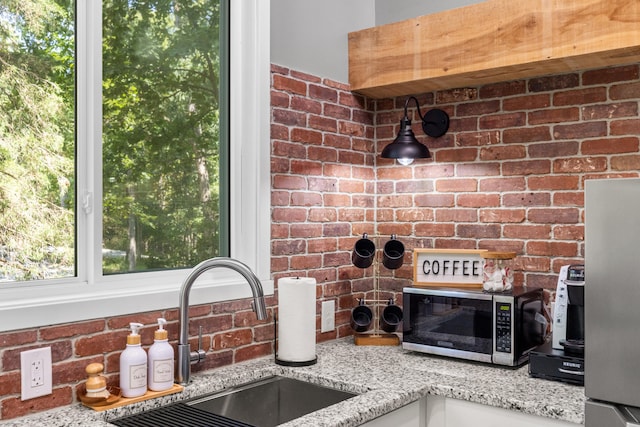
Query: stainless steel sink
[[264, 403], [271, 402]]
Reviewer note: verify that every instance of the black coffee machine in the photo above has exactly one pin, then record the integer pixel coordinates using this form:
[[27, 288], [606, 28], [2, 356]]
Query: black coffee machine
[[563, 358], [568, 317]]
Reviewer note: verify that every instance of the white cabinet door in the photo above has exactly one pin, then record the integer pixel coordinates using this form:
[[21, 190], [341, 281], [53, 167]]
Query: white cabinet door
[[411, 415], [446, 412]]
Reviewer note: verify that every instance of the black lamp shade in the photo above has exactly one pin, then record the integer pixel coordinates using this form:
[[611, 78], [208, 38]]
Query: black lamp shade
[[406, 146]]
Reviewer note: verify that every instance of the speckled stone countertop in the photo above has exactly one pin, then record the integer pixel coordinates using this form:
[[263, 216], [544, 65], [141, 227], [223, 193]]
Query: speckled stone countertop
[[386, 378]]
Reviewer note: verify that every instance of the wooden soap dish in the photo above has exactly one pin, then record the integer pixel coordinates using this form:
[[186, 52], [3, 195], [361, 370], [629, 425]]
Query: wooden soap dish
[[97, 385], [116, 401], [114, 396]]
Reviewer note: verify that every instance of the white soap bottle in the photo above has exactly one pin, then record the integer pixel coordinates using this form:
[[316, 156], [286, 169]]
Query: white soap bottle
[[133, 365], [161, 357]]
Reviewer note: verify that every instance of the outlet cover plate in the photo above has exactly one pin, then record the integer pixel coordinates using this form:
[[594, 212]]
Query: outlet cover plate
[[328, 322], [36, 375]]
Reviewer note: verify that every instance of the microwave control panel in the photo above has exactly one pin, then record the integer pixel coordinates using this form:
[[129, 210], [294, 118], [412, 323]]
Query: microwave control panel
[[503, 327]]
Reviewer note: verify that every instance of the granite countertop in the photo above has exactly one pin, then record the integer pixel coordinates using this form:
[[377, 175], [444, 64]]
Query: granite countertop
[[386, 378]]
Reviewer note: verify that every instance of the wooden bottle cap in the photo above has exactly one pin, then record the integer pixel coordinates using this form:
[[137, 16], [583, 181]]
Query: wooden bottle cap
[[497, 255]]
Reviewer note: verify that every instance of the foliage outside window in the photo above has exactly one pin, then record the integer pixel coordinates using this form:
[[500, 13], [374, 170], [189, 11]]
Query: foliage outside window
[[163, 165], [36, 140]]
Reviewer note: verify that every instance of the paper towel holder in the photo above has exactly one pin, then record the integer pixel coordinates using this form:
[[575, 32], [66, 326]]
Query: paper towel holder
[[289, 359], [290, 363]]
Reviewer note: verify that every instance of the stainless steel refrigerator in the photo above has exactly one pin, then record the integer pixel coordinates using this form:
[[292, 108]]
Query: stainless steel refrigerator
[[612, 303]]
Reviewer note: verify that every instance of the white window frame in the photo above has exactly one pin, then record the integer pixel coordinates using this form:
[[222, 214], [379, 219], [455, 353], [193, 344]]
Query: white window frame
[[91, 295]]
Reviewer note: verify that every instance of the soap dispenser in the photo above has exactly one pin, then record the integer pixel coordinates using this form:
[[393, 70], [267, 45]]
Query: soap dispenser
[[133, 365], [161, 358]]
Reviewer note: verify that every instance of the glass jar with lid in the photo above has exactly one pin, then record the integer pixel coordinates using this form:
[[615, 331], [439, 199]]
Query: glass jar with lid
[[497, 271]]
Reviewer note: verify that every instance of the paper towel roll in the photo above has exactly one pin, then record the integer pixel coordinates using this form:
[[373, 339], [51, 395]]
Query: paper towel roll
[[296, 321]]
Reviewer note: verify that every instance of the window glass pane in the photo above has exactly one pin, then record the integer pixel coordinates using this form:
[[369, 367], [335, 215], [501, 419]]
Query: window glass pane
[[37, 139], [161, 133]]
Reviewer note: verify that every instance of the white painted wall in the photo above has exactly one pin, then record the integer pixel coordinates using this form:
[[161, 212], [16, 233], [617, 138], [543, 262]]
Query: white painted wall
[[388, 11], [311, 35]]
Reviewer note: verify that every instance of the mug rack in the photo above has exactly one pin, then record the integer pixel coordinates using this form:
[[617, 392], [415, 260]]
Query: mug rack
[[393, 260]]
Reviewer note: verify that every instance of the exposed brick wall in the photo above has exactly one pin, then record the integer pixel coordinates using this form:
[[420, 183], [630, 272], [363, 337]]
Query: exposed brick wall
[[509, 174], [323, 187]]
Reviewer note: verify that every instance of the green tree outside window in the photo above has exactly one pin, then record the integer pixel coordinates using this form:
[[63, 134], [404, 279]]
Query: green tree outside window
[[163, 153]]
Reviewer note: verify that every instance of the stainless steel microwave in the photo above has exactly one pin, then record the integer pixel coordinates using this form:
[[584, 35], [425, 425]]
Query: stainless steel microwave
[[499, 328]]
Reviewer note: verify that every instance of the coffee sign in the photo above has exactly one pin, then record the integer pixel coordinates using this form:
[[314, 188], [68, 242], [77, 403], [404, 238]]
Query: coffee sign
[[447, 267]]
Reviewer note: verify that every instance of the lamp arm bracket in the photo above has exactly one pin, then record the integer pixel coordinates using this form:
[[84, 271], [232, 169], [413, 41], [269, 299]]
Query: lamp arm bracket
[[406, 106]]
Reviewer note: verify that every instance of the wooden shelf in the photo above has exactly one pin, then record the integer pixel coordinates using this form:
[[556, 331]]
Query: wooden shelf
[[493, 41]]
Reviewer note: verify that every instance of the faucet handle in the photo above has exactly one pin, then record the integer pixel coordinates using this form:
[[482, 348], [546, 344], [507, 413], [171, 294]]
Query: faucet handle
[[198, 355]]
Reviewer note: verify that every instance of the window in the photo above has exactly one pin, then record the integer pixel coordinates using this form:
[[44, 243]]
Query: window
[[147, 188], [164, 109], [37, 140], [164, 127]]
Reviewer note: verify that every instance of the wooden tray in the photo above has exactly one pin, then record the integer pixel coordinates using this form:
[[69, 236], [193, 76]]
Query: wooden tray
[[101, 406], [376, 339]]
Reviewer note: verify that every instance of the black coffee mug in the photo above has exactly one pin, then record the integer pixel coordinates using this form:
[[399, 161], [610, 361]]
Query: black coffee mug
[[393, 253], [361, 317], [363, 253], [391, 317]]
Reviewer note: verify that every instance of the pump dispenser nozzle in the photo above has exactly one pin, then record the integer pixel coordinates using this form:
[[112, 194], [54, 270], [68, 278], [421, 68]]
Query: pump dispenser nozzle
[[161, 333], [134, 337]]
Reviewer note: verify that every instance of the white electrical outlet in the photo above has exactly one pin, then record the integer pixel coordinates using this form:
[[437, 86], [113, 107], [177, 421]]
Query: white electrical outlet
[[35, 368], [328, 319], [37, 376]]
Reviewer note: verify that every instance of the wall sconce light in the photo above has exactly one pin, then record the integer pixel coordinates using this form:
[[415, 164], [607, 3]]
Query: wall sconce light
[[405, 148]]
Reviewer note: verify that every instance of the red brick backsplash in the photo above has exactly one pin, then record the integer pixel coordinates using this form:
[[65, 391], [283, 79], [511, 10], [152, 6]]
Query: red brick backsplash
[[13, 407], [509, 175], [510, 172], [232, 334], [323, 196]]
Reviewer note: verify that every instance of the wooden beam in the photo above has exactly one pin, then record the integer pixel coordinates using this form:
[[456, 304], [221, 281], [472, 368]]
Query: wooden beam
[[493, 41]]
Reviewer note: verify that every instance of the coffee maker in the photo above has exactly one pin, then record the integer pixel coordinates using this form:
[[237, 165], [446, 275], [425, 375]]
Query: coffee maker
[[562, 359], [568, 318]]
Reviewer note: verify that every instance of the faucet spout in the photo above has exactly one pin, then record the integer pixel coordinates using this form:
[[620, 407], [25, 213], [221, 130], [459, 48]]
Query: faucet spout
[[186, 357]]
